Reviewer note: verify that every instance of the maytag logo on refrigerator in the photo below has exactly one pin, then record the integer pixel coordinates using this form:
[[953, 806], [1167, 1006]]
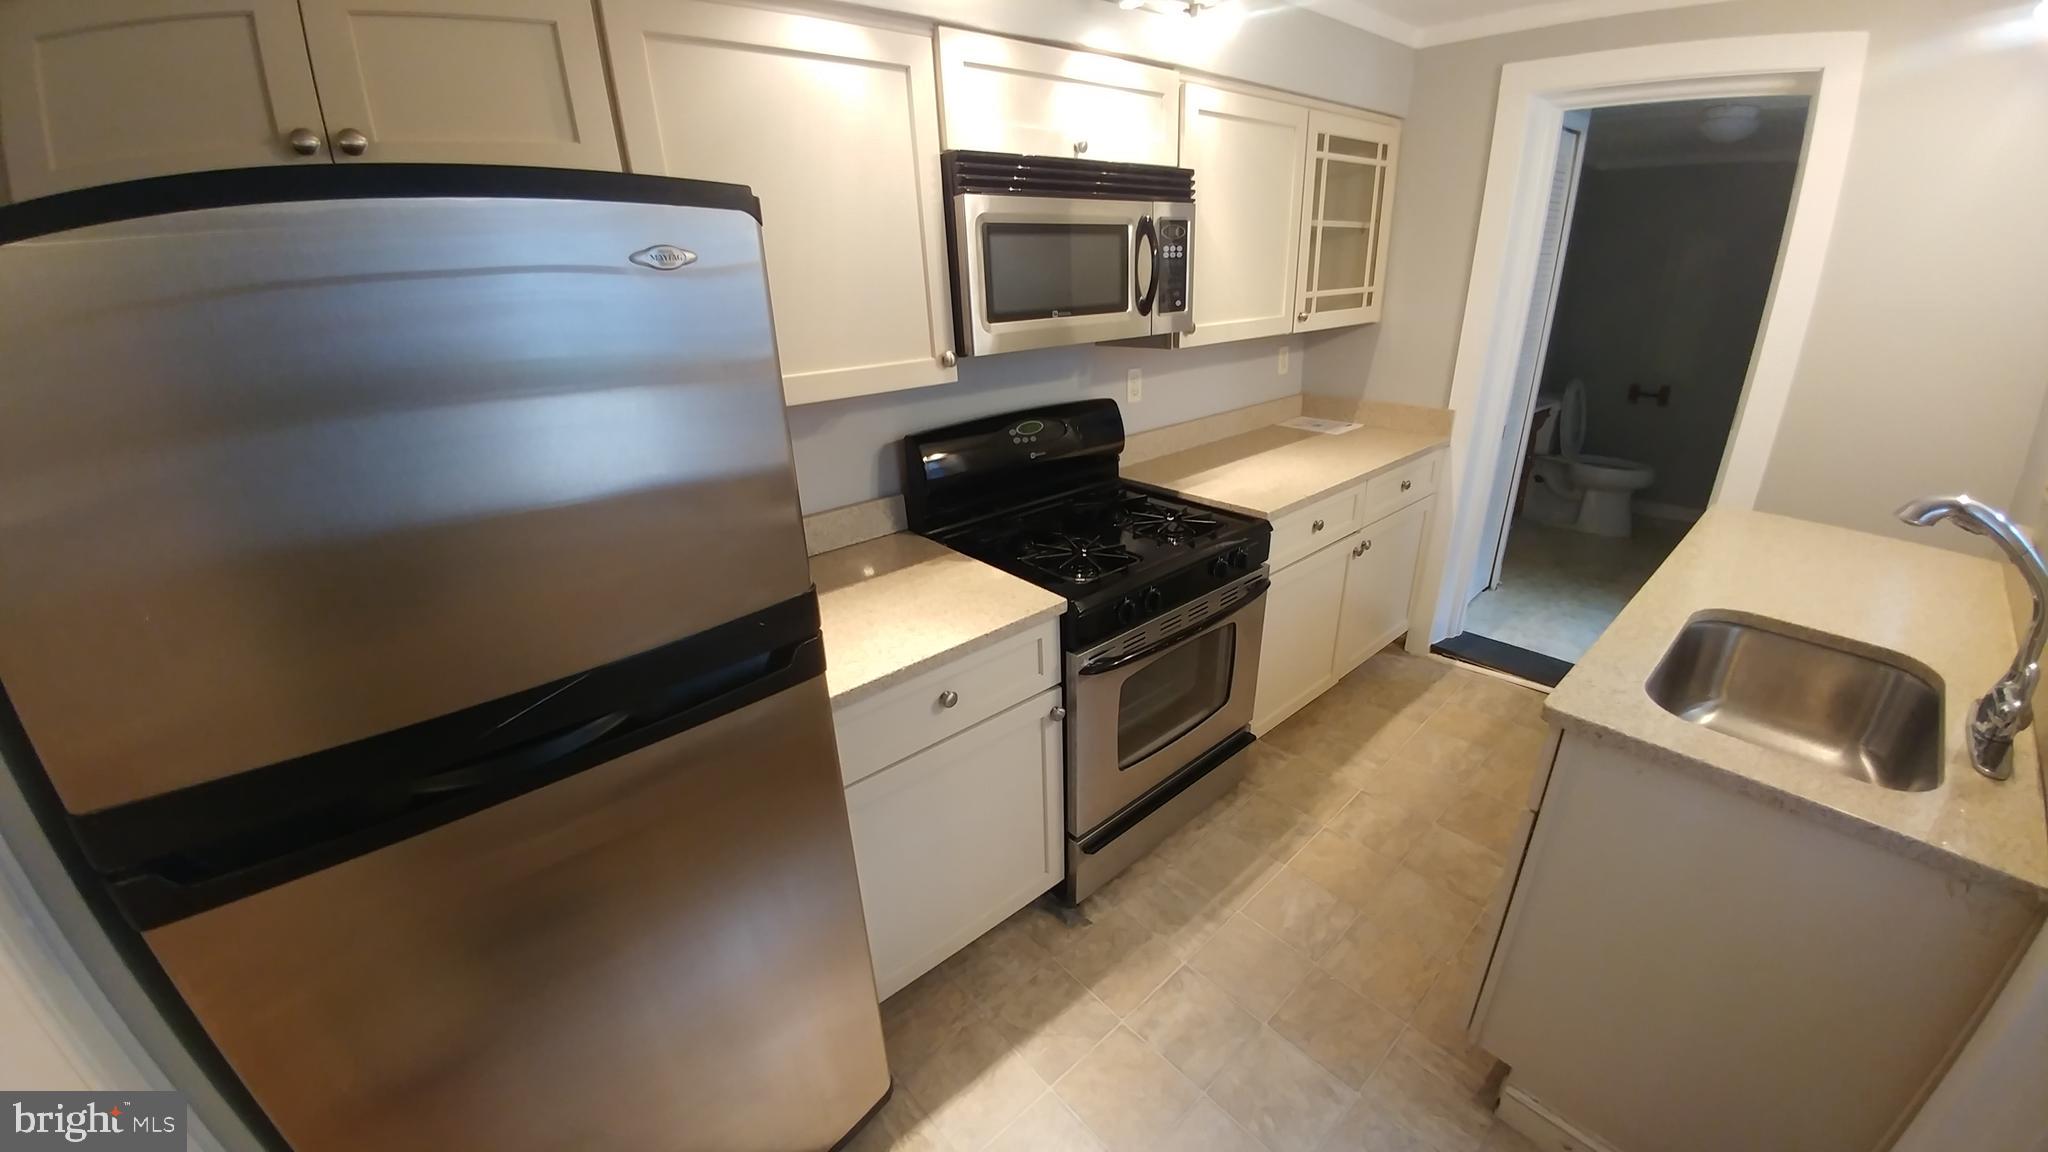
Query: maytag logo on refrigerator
[[664, 257], [108, 1121]]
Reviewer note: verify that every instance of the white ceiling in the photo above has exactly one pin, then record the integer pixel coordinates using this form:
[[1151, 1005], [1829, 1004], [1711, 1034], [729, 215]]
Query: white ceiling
[[1421, 23]]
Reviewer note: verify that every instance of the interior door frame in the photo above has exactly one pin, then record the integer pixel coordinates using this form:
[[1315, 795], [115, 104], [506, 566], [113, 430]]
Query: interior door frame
[[1522, 408], [1534, 96]]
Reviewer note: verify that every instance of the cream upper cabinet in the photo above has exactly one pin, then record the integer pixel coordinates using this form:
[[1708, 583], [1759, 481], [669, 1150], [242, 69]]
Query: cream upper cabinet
[[92, 93], [1006, 95], [1347, 194], [463, 81], [835, 127], [1246, 155]]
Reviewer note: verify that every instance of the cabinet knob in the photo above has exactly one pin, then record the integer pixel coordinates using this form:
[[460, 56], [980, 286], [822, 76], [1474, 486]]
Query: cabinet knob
[[1301, 317], [1364, 546], [351, 142], [1080, 147], [1316, 527], [947, 359], [1059, 712], [1407, 484], [948, 698], [304, 141]]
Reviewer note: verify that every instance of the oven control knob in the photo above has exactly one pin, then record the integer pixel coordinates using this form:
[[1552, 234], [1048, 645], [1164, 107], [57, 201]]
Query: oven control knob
[[1240, 559], [1154, 599], [1220, 566], [1126, 610]]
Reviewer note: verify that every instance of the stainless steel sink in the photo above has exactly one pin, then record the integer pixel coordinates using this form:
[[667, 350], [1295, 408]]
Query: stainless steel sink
[[1872, 717]]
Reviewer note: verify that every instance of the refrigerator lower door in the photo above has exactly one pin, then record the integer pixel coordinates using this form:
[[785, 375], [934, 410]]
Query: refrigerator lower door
[[664, 951]]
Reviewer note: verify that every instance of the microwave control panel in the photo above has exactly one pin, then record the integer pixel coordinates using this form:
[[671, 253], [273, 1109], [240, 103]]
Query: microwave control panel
[[1174, 239]]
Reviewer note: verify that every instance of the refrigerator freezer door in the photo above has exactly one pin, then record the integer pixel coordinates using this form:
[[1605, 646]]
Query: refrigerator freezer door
[[664, 951], [278, 477]]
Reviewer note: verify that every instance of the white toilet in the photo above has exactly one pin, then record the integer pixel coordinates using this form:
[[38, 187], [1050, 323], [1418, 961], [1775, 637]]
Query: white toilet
[[1572, 490]]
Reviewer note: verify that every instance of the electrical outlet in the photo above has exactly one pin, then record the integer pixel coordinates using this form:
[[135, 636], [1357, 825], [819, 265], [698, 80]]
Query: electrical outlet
[[1134, 386], [1283, 359]]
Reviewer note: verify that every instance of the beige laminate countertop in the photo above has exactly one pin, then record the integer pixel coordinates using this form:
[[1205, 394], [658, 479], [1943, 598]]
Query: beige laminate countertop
[[896, 605], [1274, 470], [1942, 609]]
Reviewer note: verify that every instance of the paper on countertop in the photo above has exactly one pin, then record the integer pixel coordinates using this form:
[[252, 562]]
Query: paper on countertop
[[1326, 427]]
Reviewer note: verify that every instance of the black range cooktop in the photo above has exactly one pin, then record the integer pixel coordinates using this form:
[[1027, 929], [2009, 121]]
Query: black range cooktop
[[1037, 494]]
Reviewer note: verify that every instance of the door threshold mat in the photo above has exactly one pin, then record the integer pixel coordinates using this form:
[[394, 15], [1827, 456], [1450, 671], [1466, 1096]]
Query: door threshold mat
[[1473, 648]]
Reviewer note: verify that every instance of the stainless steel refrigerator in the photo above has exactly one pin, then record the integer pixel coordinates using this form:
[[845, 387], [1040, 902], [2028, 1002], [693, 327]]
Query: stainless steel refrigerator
[[405, 623]]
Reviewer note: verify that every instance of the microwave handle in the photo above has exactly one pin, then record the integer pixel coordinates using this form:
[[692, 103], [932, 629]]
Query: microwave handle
[[1149, 235]]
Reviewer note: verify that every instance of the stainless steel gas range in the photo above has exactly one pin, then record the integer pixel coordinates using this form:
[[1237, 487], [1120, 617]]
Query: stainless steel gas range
[[1165, 606]]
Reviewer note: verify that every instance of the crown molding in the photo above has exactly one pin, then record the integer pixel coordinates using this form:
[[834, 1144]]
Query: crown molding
[[1363, 14]]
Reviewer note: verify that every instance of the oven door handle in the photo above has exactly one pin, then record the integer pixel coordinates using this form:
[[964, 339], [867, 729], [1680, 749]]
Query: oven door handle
[[1258, 588], [1148, 234]]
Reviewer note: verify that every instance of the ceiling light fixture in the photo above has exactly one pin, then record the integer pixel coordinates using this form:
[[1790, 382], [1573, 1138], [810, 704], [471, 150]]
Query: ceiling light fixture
[[1177, 7], [1727, 123]]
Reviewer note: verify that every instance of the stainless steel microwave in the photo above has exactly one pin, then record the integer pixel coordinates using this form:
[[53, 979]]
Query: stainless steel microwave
[[1048, 250]]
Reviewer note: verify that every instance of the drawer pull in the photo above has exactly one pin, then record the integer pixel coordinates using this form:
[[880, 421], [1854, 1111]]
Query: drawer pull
[[948, 698], [1316, 527], [1059, 712], [1364, 546], [1407, 484]]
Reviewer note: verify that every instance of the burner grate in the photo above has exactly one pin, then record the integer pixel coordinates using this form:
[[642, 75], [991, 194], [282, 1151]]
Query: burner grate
[[1076, 559], [1165, 522]]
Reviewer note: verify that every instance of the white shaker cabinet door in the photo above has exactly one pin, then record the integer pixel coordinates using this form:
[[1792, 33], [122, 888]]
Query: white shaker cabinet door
[[1300, 640], [94, 93], [1246, 153], [1006, 95], [954, 839], [835, 127], [463, 82], [1379, 583]]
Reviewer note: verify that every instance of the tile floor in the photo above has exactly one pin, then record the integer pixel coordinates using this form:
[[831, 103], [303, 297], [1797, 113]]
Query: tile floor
[[1560, 589], [1283, 975]]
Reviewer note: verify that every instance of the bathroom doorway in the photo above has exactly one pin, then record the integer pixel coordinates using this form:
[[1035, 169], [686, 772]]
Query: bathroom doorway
[[1659, 244]]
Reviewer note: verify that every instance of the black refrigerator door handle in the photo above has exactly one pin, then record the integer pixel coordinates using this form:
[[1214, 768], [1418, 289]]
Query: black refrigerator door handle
[[536, 754], [1148, 234]]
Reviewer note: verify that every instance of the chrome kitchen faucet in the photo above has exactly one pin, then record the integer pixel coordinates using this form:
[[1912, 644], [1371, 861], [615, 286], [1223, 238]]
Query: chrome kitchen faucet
[[2006, 710]]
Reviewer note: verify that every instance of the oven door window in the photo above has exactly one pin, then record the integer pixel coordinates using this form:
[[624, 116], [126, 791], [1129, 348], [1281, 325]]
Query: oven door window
[[1171, 696], [1042, 271]]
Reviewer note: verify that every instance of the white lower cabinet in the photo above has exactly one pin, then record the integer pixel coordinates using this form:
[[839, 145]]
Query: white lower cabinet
[[1332, 608], [952, 840]]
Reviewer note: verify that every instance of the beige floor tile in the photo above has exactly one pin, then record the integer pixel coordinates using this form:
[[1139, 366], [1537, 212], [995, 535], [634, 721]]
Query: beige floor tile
[[1339, 1029], [1279, 1095], [1385, 824], [901, 1126], [1424, 910], [1455, 862], [1482, 819], [1389, 968], [1273, 828], [1463, 1064], [1051, 1020], [1300, 912], [1117, 957], [1193, 1023], [921, 1017], [1439, 750], [1003, 957], [1311, 787], [1176, 908], [1252, 965], [1345, 868], [1429, 791], [1047, 1126], [1501, 1138], [1442, 1013], [974, 1085], [1370, 1126], [1465, 718], [1126, 1093], [1507, 773], [1208, 1128], [1224, 866], [1449, 1117]]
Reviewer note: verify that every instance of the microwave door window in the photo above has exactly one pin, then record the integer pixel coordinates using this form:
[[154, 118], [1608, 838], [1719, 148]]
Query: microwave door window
[[1042, 271]]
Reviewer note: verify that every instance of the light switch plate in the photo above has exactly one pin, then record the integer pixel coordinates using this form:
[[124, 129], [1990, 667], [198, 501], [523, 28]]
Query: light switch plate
[[1134, 385], [1283, 360]]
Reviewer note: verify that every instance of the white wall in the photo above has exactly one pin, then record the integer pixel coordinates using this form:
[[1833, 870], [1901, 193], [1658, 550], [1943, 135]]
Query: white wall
[[846, 450], [1927, 356]]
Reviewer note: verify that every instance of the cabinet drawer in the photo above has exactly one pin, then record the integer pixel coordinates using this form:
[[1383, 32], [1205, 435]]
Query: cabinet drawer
[[1296, 534], [877, 732], [1399, 487]]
